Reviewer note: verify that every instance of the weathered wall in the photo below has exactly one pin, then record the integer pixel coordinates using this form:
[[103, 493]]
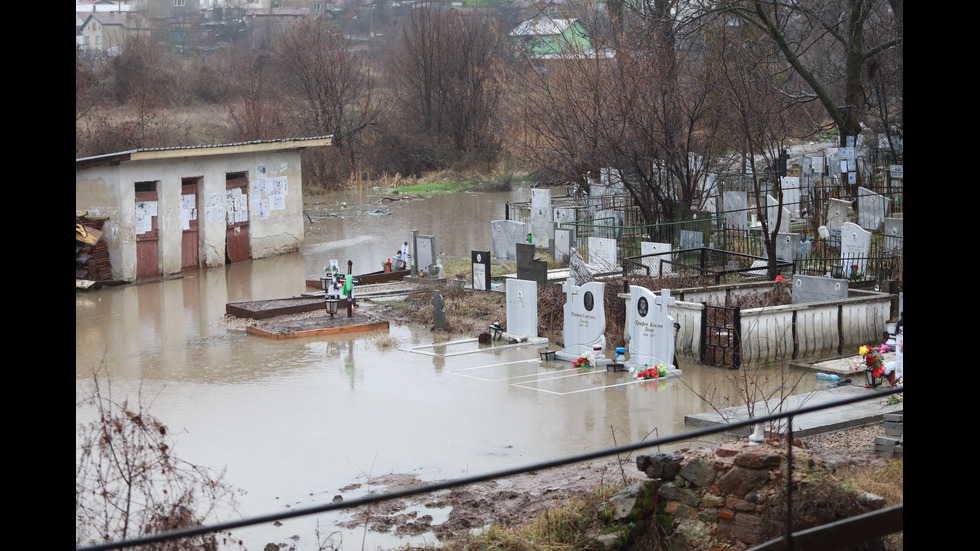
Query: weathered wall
[[109, 191], [793, 331]]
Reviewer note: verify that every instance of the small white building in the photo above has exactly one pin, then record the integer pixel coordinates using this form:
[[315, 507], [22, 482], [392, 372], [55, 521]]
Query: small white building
[[174, 209]]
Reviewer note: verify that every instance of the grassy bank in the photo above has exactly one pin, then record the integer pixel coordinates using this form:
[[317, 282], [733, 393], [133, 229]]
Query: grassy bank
[[446, 181]]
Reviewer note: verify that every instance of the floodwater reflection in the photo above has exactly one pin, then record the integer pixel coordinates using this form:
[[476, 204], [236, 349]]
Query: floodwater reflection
[[296, 420]]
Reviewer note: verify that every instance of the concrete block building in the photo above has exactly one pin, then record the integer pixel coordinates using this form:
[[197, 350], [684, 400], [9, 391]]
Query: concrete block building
[[174, 209]]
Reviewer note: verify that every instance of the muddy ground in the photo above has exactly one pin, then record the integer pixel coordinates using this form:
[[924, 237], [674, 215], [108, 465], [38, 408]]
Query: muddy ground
[[506, 502]]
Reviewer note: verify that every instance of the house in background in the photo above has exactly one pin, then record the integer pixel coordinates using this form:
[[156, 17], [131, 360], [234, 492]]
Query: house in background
[[106, 32], [544, 37], [174, 209]]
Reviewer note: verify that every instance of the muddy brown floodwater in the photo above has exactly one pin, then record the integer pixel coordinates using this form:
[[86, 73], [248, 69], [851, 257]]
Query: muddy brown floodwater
[[297, 422]]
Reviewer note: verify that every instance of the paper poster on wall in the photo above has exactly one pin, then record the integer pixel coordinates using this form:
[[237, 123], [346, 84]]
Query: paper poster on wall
[[262, 207], [261, 171], [145, 211], [277, 202], [212, 207], [188, 210]]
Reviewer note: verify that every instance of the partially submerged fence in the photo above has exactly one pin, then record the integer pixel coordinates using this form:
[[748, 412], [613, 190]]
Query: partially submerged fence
[[857, 530], [778, 333]]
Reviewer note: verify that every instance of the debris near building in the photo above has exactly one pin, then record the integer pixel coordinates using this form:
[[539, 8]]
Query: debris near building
[[92, 267]]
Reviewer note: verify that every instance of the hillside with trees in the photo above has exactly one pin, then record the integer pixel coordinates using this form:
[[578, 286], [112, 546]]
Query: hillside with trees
[[665, 90]]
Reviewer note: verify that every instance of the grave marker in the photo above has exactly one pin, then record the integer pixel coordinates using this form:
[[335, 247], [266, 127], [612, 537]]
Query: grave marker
[[480, 261], [528, 267], [855, 244], [505, 235], [817, 288], [602, 254], [650, 329], [894, 235], [542, 217], [563, 245], [658, 268], [788, 247], [522, 308], [872, 209], [585, 319], [736, 215]]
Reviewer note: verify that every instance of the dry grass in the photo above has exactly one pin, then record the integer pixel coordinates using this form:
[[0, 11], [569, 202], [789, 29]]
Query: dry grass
[[384, 340]]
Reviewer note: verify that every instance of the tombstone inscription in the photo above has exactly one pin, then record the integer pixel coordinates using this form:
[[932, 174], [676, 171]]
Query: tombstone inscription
[[650, 329]]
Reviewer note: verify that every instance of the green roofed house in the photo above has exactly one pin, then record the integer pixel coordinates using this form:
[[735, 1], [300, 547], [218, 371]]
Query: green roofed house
[[545, 37]]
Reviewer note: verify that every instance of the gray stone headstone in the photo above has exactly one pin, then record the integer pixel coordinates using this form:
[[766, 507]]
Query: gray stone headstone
[[530, 268], [602, 254], [855, 244], [522, 308], [480, 260], [438, 311], [608, 224], [658, 268], [506, 234], [872, 209], [833, 156], [836, 217], [691, 239], [837, 213], [563, 245], [425, 252], [817, 288], [893, 235], [651, 328], [565, 220], [585, 318], [788, 247], [541, 217], [736, 215]]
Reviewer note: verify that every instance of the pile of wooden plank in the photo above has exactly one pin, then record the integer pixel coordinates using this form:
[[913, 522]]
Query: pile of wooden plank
[[91, 251]]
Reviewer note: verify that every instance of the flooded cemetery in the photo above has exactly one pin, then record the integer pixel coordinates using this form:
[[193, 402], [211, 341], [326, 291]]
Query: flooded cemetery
[[651, 322]]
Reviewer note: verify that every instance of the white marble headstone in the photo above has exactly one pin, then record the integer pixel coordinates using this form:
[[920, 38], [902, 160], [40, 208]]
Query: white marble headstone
[[736, 215], [522, 308], [872, 209], [656, 264], [772, 211], [602, 254], [563, 245], [542, 217], [425, 251], [855, 244], [791, 194], [585, 319], [651, 328]]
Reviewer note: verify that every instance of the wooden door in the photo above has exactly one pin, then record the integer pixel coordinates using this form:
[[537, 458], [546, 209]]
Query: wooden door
[[147, 233], [190, 252], [237, 246]]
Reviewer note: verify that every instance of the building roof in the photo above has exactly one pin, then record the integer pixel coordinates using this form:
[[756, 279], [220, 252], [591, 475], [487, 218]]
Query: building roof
[[202, 150], [124, 19], [543, 26]]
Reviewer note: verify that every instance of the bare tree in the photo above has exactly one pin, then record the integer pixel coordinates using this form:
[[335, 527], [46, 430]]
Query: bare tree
[[442, 76], [255, 111], [749, 76], [328, 85], [637, 109], [828, 44], [129, 483]]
